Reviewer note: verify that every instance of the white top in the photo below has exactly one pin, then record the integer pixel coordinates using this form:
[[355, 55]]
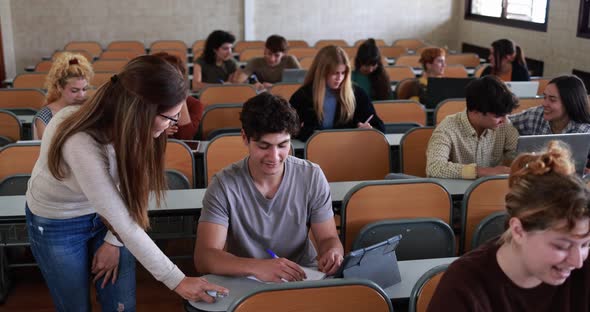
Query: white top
[[90, 186]]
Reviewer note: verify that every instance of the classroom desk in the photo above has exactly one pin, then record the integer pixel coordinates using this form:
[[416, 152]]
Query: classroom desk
[[456, 187], [393, 139], [176, 202], [25, 119], [182, 202], [410, 270]]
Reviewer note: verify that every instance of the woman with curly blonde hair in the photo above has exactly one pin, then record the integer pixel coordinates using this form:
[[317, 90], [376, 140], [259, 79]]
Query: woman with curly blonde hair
[[66, 84]]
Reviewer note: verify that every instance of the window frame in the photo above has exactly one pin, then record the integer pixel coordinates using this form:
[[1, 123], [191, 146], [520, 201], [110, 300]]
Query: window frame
[[508, 22], [583, 30]]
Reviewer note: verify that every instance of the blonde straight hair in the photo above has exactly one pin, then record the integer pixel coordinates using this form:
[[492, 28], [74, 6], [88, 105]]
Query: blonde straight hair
[[122, 113], [324, 64]]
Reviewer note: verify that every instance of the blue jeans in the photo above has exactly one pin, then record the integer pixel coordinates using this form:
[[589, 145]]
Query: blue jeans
[[64, 250]]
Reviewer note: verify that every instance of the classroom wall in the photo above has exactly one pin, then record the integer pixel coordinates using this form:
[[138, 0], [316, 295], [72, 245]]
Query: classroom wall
[[39, 29], [7, 41], [559, 47], [352, 20]]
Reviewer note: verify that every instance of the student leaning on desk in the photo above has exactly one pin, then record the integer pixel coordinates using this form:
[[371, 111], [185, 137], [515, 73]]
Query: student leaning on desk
[[540, 262], [97, 166], [268, 200], [479, 141]]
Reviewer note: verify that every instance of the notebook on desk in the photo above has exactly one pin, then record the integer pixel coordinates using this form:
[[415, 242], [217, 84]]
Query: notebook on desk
[[293, 75], [440, 89], [578, 144], [523, 88]]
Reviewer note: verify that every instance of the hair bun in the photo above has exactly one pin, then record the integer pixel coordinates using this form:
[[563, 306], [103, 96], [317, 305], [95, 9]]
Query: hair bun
[[556, 158]]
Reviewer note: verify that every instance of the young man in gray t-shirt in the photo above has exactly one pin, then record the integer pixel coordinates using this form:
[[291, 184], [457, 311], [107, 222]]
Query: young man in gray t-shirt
[[267, 203]]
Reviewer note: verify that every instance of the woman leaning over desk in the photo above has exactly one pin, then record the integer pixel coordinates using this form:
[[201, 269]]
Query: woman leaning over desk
[[100, 162], [329, 100], [539, 263]]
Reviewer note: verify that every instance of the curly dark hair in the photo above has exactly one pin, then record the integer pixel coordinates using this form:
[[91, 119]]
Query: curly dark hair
[[215, 40], [267, 113]]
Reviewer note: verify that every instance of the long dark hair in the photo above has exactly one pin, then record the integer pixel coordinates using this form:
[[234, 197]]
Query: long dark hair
[[215, 40], [368, 54], [504, 47], [122, 113], [573, 96]]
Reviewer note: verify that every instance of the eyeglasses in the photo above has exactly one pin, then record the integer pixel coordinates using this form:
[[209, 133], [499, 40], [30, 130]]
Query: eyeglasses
[[173, 120]]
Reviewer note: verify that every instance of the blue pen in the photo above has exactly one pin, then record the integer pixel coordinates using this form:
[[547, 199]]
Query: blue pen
[[271, 253]]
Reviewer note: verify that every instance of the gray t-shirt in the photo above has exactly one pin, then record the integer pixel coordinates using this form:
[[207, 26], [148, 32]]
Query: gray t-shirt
[[282, 223], [265, 73]]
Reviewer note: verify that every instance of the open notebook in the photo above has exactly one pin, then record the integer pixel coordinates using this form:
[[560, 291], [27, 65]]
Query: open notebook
[[377, 263], [312, 275]]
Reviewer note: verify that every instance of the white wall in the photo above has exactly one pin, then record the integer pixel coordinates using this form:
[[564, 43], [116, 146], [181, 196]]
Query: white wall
[[7, 38], [559, 47], [352, 20], [39, 27]]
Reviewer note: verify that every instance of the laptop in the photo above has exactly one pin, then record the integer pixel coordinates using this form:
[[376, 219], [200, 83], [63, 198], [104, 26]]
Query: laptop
[[377, 263], [523, 88], [294, 75], [440, 89], [578, 143]]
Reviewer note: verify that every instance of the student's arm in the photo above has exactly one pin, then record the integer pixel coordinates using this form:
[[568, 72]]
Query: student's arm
[[330, 250], [438, 154], [364, 109], [302, 101], [39, 129], [198, 77], [524, 121], [195, 114], [241, 76], [292, 62], [211, 258], [510, 144], [323, 228], [87, 164]]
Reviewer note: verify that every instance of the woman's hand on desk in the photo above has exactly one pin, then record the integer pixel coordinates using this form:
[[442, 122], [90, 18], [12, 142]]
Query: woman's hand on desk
[[278, 270], [330, 261], [195, 289]]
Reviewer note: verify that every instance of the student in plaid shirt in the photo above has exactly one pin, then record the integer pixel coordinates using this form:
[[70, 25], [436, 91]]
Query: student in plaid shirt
[[476, 142], [565, 110]]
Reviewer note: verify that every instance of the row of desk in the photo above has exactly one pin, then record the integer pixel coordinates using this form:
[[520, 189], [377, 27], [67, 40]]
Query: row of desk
[[188, 201], [410, 272]]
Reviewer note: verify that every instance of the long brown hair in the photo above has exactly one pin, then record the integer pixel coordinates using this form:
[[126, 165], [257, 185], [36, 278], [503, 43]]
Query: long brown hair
[[122, 113], [325, 62], [544, 190]]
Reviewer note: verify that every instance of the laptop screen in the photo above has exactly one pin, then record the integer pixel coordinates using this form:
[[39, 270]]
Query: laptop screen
[[578, 144], [523, 88], [293, 75], [440, 89]]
